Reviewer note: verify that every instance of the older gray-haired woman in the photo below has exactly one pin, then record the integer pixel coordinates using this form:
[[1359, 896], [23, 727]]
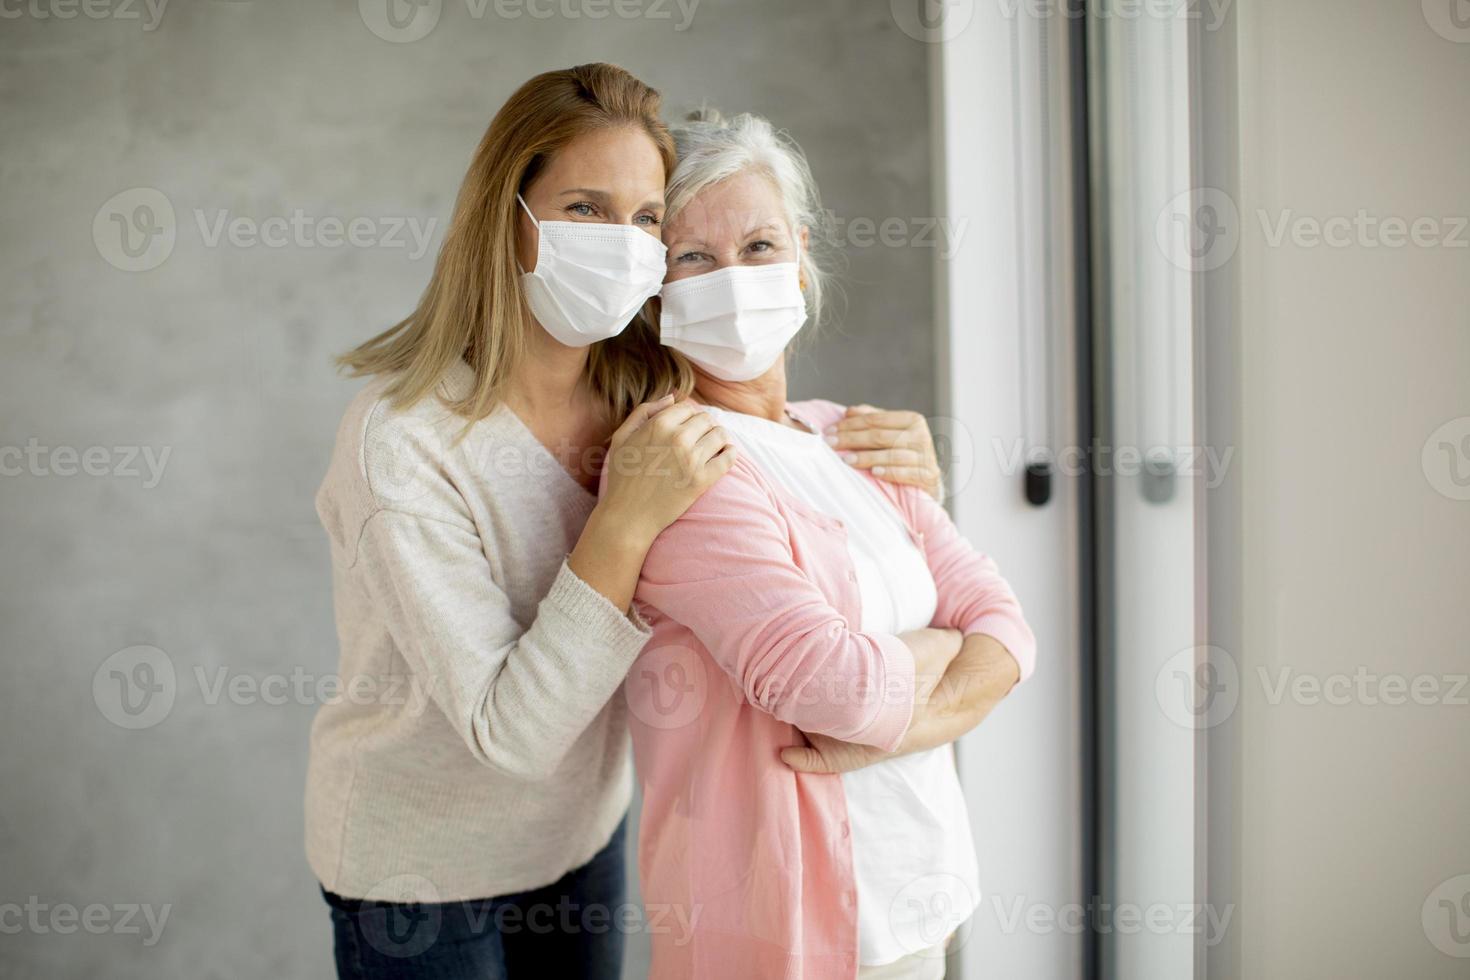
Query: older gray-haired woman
[[806, 583]]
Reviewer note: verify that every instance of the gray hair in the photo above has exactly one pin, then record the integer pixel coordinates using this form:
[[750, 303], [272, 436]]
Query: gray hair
[[712, 148]]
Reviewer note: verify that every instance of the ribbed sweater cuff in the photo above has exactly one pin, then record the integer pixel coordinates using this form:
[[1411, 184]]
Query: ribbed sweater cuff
[[594, 616]]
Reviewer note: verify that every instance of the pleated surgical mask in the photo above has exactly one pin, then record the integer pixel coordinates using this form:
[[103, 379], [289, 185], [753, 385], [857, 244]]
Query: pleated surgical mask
[[734, 322], [590, 279]]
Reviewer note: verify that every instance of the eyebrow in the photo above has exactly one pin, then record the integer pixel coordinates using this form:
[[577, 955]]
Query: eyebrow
[[766, 228]]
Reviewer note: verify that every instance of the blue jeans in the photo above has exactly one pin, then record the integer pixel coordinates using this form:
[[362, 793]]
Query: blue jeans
[[566, 929]]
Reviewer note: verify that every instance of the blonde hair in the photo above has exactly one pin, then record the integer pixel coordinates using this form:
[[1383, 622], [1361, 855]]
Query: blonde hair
[[712, 148], [473, 307]]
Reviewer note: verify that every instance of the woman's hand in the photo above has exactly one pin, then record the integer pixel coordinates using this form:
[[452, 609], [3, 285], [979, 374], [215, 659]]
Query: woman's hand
[[896, 446], [826, 754], [659, 462]]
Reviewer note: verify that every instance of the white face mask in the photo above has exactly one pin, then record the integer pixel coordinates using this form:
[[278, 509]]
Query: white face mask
[[590, 279], [734, 322]]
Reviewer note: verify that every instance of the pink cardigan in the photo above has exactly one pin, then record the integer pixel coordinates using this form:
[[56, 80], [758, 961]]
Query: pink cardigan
[[746, 866]]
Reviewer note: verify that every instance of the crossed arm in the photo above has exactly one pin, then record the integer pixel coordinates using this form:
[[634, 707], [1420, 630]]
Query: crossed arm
[[992, 647], [960, 677], [979, 677]]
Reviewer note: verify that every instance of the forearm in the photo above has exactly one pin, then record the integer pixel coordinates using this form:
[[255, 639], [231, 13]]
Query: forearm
[[609, 555], [519, 695], [804, 681], [976, 681], [934, 650]]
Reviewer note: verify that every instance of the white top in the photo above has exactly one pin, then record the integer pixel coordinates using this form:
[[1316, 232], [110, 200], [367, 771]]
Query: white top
[[911, 847], [475, 748]]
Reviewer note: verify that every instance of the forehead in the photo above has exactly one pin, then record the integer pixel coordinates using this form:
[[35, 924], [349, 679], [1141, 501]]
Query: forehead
[[730, 209], [622, 157]]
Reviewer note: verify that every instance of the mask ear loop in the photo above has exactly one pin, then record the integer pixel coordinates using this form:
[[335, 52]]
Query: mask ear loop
[[527, 209], [800, 270]]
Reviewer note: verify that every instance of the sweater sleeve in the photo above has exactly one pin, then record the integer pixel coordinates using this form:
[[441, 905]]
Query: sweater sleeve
[[520, 698], [726, 571], [973, 597]]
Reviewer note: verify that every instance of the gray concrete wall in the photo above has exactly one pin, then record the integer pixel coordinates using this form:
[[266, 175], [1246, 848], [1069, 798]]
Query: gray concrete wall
[[162, 429]]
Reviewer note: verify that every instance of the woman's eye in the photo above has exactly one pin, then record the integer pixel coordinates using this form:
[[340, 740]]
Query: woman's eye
[[690, 257], [582, 209], [761, 246], [647, 220]]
